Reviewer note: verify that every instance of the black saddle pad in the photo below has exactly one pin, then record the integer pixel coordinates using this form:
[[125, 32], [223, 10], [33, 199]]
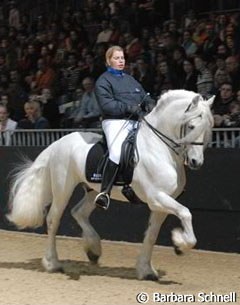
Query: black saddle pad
[[96, 159]]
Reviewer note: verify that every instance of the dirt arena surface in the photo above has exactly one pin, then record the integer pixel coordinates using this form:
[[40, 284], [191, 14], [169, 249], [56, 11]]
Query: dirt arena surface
[[24, 282]]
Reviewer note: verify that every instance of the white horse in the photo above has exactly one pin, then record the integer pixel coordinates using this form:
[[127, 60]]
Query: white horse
[[173, 135]]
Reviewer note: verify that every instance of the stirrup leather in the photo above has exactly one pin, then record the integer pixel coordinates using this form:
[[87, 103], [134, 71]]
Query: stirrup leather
[[103, 206]]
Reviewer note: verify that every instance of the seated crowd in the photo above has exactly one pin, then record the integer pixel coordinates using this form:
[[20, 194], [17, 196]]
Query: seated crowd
[[48, 66]]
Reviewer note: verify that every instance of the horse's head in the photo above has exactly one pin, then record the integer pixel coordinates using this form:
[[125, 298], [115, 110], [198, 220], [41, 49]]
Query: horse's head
[[185, 118], [195, 130]]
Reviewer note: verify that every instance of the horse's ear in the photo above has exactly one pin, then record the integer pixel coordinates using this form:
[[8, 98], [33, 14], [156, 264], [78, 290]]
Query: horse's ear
[[211, 100], [194, 103]]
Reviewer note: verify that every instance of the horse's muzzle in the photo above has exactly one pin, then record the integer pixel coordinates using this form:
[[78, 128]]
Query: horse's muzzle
[[194, 164]]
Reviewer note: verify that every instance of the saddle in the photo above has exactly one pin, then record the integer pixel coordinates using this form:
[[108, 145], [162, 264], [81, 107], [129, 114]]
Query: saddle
[[97, 157]]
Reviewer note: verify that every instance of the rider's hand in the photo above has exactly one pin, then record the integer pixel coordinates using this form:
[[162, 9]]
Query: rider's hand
[[149, 107], [134, 109]]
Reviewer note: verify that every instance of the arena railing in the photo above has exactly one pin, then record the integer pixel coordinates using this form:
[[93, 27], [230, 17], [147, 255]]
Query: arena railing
[[221, 137]]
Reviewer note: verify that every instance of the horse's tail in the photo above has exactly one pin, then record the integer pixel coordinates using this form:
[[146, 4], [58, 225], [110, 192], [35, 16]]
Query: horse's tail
[[30, 193]]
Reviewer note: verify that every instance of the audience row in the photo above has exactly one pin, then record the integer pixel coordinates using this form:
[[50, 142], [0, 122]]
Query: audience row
[[54, 62]]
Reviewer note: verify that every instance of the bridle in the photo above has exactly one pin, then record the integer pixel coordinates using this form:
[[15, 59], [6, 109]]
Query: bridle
[[183, 132], [173, 145]]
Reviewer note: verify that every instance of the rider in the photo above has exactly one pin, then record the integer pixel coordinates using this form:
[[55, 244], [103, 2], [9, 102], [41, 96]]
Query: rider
[[122, 100]]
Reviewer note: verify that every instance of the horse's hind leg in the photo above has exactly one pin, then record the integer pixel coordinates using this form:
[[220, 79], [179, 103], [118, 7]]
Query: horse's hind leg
[[50, 260], [144, 268], [81, 213]]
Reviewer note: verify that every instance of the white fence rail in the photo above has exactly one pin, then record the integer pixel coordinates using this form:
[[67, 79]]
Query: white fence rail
[[221, 137]]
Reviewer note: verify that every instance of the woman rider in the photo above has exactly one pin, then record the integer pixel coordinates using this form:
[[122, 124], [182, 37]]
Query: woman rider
[[122, 100]]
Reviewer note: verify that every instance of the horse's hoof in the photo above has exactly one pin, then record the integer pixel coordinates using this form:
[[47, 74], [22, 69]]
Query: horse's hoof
[[56, 270], [177, 250], [93, 258], [52, 268], [151, 277]]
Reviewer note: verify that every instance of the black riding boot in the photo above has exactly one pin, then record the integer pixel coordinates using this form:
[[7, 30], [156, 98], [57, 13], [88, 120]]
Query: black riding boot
[[109, 174]]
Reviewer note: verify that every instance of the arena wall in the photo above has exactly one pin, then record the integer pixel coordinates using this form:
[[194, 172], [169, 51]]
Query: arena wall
[[212, 194]]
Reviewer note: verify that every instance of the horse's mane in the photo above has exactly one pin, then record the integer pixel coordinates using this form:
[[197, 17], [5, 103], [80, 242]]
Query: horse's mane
[[173, 95], [184, 95]]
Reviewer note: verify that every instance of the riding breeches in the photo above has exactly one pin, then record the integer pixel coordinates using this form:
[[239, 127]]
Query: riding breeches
[[116, 132]]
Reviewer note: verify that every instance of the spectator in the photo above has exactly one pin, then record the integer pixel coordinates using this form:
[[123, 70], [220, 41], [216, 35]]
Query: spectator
[[34, 118], [179, 56], [14, 16], [204, 79], [99, 58], [172, 28], [133, 47], [233, 68], [189, 81], [28, 60], [188, 44], [105, 34], [222, 102], [60, 51], [169, 44], [220, 63], [73, 43], [7, 126], [164, 79], [211, 43], [3, 64], [50, 108], [4, 99], [92, 68], [45, 54], [69, 78], [190, 19], [221, 76], [238, 95], [220, 25], [200, 35], [17, 95], [230, 44], [236, 35], [222, 51], [88, 113], [91, 26], [144, 37], [44, 77], [142, 72], [150, 52], [146, 12], [114, 26], [233, 118], [161, 55]]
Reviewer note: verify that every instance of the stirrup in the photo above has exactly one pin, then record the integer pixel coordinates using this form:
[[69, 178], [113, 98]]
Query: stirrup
[[102, 200]]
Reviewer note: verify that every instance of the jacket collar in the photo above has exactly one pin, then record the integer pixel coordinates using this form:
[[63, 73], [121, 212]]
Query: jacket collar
[[115, 71]]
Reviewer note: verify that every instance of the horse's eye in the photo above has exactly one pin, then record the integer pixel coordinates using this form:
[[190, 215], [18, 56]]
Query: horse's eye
[[191, 127]]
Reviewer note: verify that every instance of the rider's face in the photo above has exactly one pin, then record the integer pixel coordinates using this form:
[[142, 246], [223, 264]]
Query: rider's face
[[117, 61]]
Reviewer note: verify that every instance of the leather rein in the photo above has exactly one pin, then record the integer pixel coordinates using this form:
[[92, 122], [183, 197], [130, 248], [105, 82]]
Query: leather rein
[[173, 145]]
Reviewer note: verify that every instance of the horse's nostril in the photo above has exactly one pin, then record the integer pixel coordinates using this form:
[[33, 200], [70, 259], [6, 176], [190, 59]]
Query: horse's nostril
[[194, 162]]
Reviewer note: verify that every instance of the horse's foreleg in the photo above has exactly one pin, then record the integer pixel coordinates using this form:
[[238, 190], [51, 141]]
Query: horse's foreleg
[[81, 213], [183, 239], [50, 260], [144, 267]]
